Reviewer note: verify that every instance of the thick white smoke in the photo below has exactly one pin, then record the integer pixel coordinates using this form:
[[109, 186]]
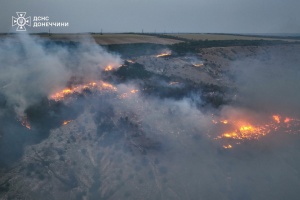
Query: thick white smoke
[[29, 71], [269, 83]]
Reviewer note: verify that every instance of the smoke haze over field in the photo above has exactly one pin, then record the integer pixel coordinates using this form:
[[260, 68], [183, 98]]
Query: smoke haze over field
[[270, 86]]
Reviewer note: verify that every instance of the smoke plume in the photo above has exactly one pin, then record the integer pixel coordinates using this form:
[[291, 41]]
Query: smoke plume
[[30, 70]]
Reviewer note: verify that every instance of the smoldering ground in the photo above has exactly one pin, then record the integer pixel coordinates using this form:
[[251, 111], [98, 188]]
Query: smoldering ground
[[147, 139]]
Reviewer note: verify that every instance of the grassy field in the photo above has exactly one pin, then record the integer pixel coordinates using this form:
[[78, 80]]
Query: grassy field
[[200, 36], [107, 39], [163, 39]]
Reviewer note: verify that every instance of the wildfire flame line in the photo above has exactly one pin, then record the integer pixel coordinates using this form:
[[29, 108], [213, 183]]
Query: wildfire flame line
[[242, 130], [100, 85]]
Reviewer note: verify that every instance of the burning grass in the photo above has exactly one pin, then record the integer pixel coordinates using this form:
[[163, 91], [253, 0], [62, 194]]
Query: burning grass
[[99, 85], [235, 131], [164, 54]]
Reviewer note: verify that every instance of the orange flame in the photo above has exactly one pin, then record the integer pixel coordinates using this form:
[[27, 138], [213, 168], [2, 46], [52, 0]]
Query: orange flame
[[163, 54], [287, 120], [224, 121], [241, 130], [276, 118], [66, 122], [58, 96], [108, 68], [134, 91], [227, 146], [128, 94]]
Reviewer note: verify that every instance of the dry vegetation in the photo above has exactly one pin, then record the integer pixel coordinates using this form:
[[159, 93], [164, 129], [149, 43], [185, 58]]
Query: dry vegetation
[[107, 39], [199, 36]]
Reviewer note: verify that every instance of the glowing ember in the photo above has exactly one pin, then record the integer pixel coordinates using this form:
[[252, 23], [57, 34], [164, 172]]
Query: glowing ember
[[238, 130], [130, 61], [134, 91], [214, 121], [227, 146], [80, 88], [25, 123], [224, 121], [66, 122], [128, 94], [276, 118], [198, 65], [287, 120], [173, 83], [108, 68]]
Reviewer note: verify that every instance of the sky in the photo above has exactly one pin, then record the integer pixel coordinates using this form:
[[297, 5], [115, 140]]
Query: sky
[[205, 16]]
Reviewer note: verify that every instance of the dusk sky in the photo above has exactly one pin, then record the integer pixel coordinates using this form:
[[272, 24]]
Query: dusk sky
[[231, 16]]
